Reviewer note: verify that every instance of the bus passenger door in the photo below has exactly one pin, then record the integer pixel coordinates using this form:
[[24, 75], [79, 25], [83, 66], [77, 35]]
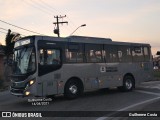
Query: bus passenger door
[[39, 87], [47, 85], [49, 62]]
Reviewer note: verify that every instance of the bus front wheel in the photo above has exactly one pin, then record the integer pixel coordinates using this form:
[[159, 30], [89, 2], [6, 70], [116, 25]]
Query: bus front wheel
[[128, 84], [72, 89]]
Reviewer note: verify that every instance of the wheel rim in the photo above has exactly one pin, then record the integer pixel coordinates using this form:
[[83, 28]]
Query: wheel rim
[[128, 84], [73, 89]]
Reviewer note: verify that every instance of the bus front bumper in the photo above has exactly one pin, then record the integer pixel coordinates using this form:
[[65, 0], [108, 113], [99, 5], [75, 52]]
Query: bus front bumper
[[20, 92]]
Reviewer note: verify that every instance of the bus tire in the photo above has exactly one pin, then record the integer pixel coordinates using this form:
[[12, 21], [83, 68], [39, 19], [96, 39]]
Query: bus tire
[[128, 84], [72, 89]]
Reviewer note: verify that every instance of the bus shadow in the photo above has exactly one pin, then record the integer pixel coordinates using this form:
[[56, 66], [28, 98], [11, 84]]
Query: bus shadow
[[100, 92], [61, 98], [89, 94]]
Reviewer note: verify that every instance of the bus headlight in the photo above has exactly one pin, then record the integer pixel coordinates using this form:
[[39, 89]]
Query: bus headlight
[[27, 93], [31, 82]]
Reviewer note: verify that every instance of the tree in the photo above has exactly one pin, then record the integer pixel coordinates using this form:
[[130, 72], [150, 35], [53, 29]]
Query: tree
[[10, 40], [9, 45]]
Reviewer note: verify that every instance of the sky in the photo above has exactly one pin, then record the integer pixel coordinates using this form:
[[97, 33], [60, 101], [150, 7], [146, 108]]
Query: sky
[[120, 20]]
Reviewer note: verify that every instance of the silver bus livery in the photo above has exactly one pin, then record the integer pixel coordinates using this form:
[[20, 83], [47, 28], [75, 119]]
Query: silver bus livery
[[44, 66]]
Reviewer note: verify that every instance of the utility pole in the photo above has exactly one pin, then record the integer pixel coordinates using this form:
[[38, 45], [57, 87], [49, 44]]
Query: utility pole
[[57, 31]]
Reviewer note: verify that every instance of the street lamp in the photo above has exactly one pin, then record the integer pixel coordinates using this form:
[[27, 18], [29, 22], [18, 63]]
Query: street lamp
[[77, 29]]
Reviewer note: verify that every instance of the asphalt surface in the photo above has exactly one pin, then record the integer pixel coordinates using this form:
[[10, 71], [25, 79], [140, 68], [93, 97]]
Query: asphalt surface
[[97, 105]]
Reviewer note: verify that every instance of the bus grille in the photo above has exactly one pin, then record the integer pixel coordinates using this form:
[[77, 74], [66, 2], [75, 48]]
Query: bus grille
[[17, 90]]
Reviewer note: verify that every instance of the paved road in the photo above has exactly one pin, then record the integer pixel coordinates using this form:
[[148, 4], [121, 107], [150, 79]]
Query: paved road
[[145, 97]]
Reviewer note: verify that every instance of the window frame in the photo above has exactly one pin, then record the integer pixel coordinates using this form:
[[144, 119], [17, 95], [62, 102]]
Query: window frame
[[45, 69], [107, 54], [80, 49], [125, 58], [138, 59], [88, 45]]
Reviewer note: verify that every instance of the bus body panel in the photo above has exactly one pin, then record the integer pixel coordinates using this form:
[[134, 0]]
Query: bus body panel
[[93, 75]]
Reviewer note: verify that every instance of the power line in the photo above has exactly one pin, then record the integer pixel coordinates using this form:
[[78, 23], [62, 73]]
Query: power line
[[39, 8], [49, 8], [21, 28], [3, 29], [33, 4], [13, 31], [44, 7]]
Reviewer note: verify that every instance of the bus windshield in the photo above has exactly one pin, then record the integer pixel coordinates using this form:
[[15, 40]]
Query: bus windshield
[[24, 60]]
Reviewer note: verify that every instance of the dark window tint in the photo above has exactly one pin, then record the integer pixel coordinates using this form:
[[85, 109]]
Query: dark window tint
[[74, 53], [49, 57], [49, 60], [111, 52], [124, 54], [93, 52], [137, 53], [146, 53]]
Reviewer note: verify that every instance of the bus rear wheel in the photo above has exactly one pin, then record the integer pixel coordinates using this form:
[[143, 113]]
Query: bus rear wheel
[[128, 84], [72, 89]]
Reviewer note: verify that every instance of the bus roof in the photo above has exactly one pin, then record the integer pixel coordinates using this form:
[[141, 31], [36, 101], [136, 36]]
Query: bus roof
[[85, 39]]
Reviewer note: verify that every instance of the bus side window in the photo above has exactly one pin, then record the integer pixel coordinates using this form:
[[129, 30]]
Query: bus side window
[[71, 56], [111, 53], [124, 53], [49, 60], [74, 53], [137, 54], [146, 54], [93, 53], [49, 57]]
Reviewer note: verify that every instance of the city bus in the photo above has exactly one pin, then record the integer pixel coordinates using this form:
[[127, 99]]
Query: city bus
[[45, 66]]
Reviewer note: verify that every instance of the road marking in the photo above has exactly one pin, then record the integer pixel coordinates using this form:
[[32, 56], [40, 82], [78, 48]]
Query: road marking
[[151, 84], [151, 87], [140, 103], [146, 92], [128, 107]]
